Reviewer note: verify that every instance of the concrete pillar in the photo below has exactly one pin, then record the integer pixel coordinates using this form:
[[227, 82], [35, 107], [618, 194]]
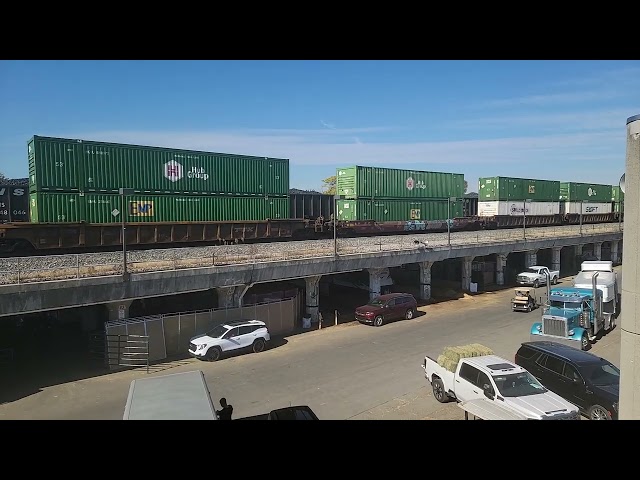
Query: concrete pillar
[[501, 263], [313, 297], [614, 252], [531, 258], [119, 310], [629, 408], [375, 277], [425, 280], [555, 258], [231, 297], [466, 273], [597, 250]]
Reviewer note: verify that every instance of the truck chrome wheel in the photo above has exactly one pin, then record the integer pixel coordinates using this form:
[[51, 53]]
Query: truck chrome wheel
[[584, 342], [598, 413]]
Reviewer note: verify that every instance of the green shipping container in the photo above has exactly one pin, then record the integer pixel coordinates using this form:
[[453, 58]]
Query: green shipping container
[[587, 192], [376, 182], [59, 164], [512, 189], [617, 196], [54, 207], [397, 210]]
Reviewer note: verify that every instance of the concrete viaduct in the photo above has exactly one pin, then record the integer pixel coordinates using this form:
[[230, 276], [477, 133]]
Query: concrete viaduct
[[233, 281]]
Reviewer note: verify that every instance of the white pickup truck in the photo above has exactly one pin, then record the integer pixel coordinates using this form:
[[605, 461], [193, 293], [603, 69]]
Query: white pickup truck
[[501, 381], [536, 275]]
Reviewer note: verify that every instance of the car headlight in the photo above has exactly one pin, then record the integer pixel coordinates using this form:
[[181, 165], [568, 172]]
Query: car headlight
[[615, 406], [571, 332], [202, 347]]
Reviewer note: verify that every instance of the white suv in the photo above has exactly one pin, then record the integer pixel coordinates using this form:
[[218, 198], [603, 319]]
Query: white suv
[[230, 336]]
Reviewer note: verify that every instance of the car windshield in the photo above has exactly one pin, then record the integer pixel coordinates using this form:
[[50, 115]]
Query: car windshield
[[604, 373], [531, 270], [217, 332], [376, 302], [518, 385]]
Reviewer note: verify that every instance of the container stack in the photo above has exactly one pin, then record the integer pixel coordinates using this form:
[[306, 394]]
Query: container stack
[[585, 198], [14, 203], [617, 197], [388, 195], [79, 181], [510, 196]]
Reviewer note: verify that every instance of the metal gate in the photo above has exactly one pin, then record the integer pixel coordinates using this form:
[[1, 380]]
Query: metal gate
[[120, 350]]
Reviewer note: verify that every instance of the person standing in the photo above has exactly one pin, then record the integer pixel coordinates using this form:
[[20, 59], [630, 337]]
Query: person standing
[[226, 411]]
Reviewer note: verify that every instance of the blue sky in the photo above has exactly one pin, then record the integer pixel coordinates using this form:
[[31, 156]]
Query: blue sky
[[560, 120]]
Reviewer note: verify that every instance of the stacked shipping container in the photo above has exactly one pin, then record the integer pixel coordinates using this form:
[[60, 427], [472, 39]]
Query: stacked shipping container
[[14, 204], [386, 194], [510, 196], [617, 197], [585, 198], [78, 181]]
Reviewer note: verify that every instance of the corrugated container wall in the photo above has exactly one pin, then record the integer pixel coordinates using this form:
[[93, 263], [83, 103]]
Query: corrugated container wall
[[50, 207], [617, 196], [586, 192], [586, 207], [376, 182], [508, 189], [14, 204], [516, 208], [85, 166], [396, 210]]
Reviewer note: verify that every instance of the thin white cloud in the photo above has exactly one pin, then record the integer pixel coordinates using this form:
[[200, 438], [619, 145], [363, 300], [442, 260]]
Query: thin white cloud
[[571, 121], [555, 98], [537, 152], [626, 76], [328, 125], [601, 85]]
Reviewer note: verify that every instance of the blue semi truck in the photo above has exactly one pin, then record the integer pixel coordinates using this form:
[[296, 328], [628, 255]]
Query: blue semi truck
[[574, 316]]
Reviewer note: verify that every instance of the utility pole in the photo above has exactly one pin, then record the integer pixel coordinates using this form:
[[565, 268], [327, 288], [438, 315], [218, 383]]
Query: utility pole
[[629, 404]]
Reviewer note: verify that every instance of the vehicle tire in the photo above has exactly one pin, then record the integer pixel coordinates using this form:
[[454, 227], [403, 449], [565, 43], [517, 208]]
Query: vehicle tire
[[409, 314], [438, 391], [536, 284], [584, 342], [213, 354], [258, 345], [529, 308], [378, 321], [596, 412]]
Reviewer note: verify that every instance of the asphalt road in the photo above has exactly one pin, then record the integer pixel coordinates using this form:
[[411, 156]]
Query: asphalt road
[[351, 371]]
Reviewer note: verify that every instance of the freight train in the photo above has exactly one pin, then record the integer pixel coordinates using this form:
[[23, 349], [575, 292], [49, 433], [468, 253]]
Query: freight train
[[71, 201]]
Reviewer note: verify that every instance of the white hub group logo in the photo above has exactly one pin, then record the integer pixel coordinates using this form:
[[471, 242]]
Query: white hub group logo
[[410, 183], [591, 192], [173, 171]]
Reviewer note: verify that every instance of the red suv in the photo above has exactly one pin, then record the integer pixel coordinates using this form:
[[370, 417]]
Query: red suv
[[385, 308]]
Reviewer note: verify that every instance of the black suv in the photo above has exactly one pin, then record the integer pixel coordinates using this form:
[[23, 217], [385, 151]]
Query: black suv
[[582, 378]]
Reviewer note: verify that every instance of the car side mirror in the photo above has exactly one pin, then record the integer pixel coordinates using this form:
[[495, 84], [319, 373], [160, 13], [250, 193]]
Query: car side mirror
[[488, 392]]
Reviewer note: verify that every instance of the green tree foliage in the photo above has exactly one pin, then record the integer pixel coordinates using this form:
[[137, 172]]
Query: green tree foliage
[[329, 185]]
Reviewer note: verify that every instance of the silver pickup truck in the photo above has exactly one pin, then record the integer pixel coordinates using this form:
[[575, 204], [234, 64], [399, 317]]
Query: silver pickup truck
[[500, 381], [536, 275]]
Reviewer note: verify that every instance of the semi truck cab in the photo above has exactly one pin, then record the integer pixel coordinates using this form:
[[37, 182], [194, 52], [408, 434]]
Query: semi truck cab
[[574, 317]]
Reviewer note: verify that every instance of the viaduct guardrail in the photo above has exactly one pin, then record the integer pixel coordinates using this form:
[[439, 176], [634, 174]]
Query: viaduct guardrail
[[38, 269]]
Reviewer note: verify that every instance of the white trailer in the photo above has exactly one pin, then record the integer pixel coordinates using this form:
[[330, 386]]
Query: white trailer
[[606, 282], [178, 396]]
